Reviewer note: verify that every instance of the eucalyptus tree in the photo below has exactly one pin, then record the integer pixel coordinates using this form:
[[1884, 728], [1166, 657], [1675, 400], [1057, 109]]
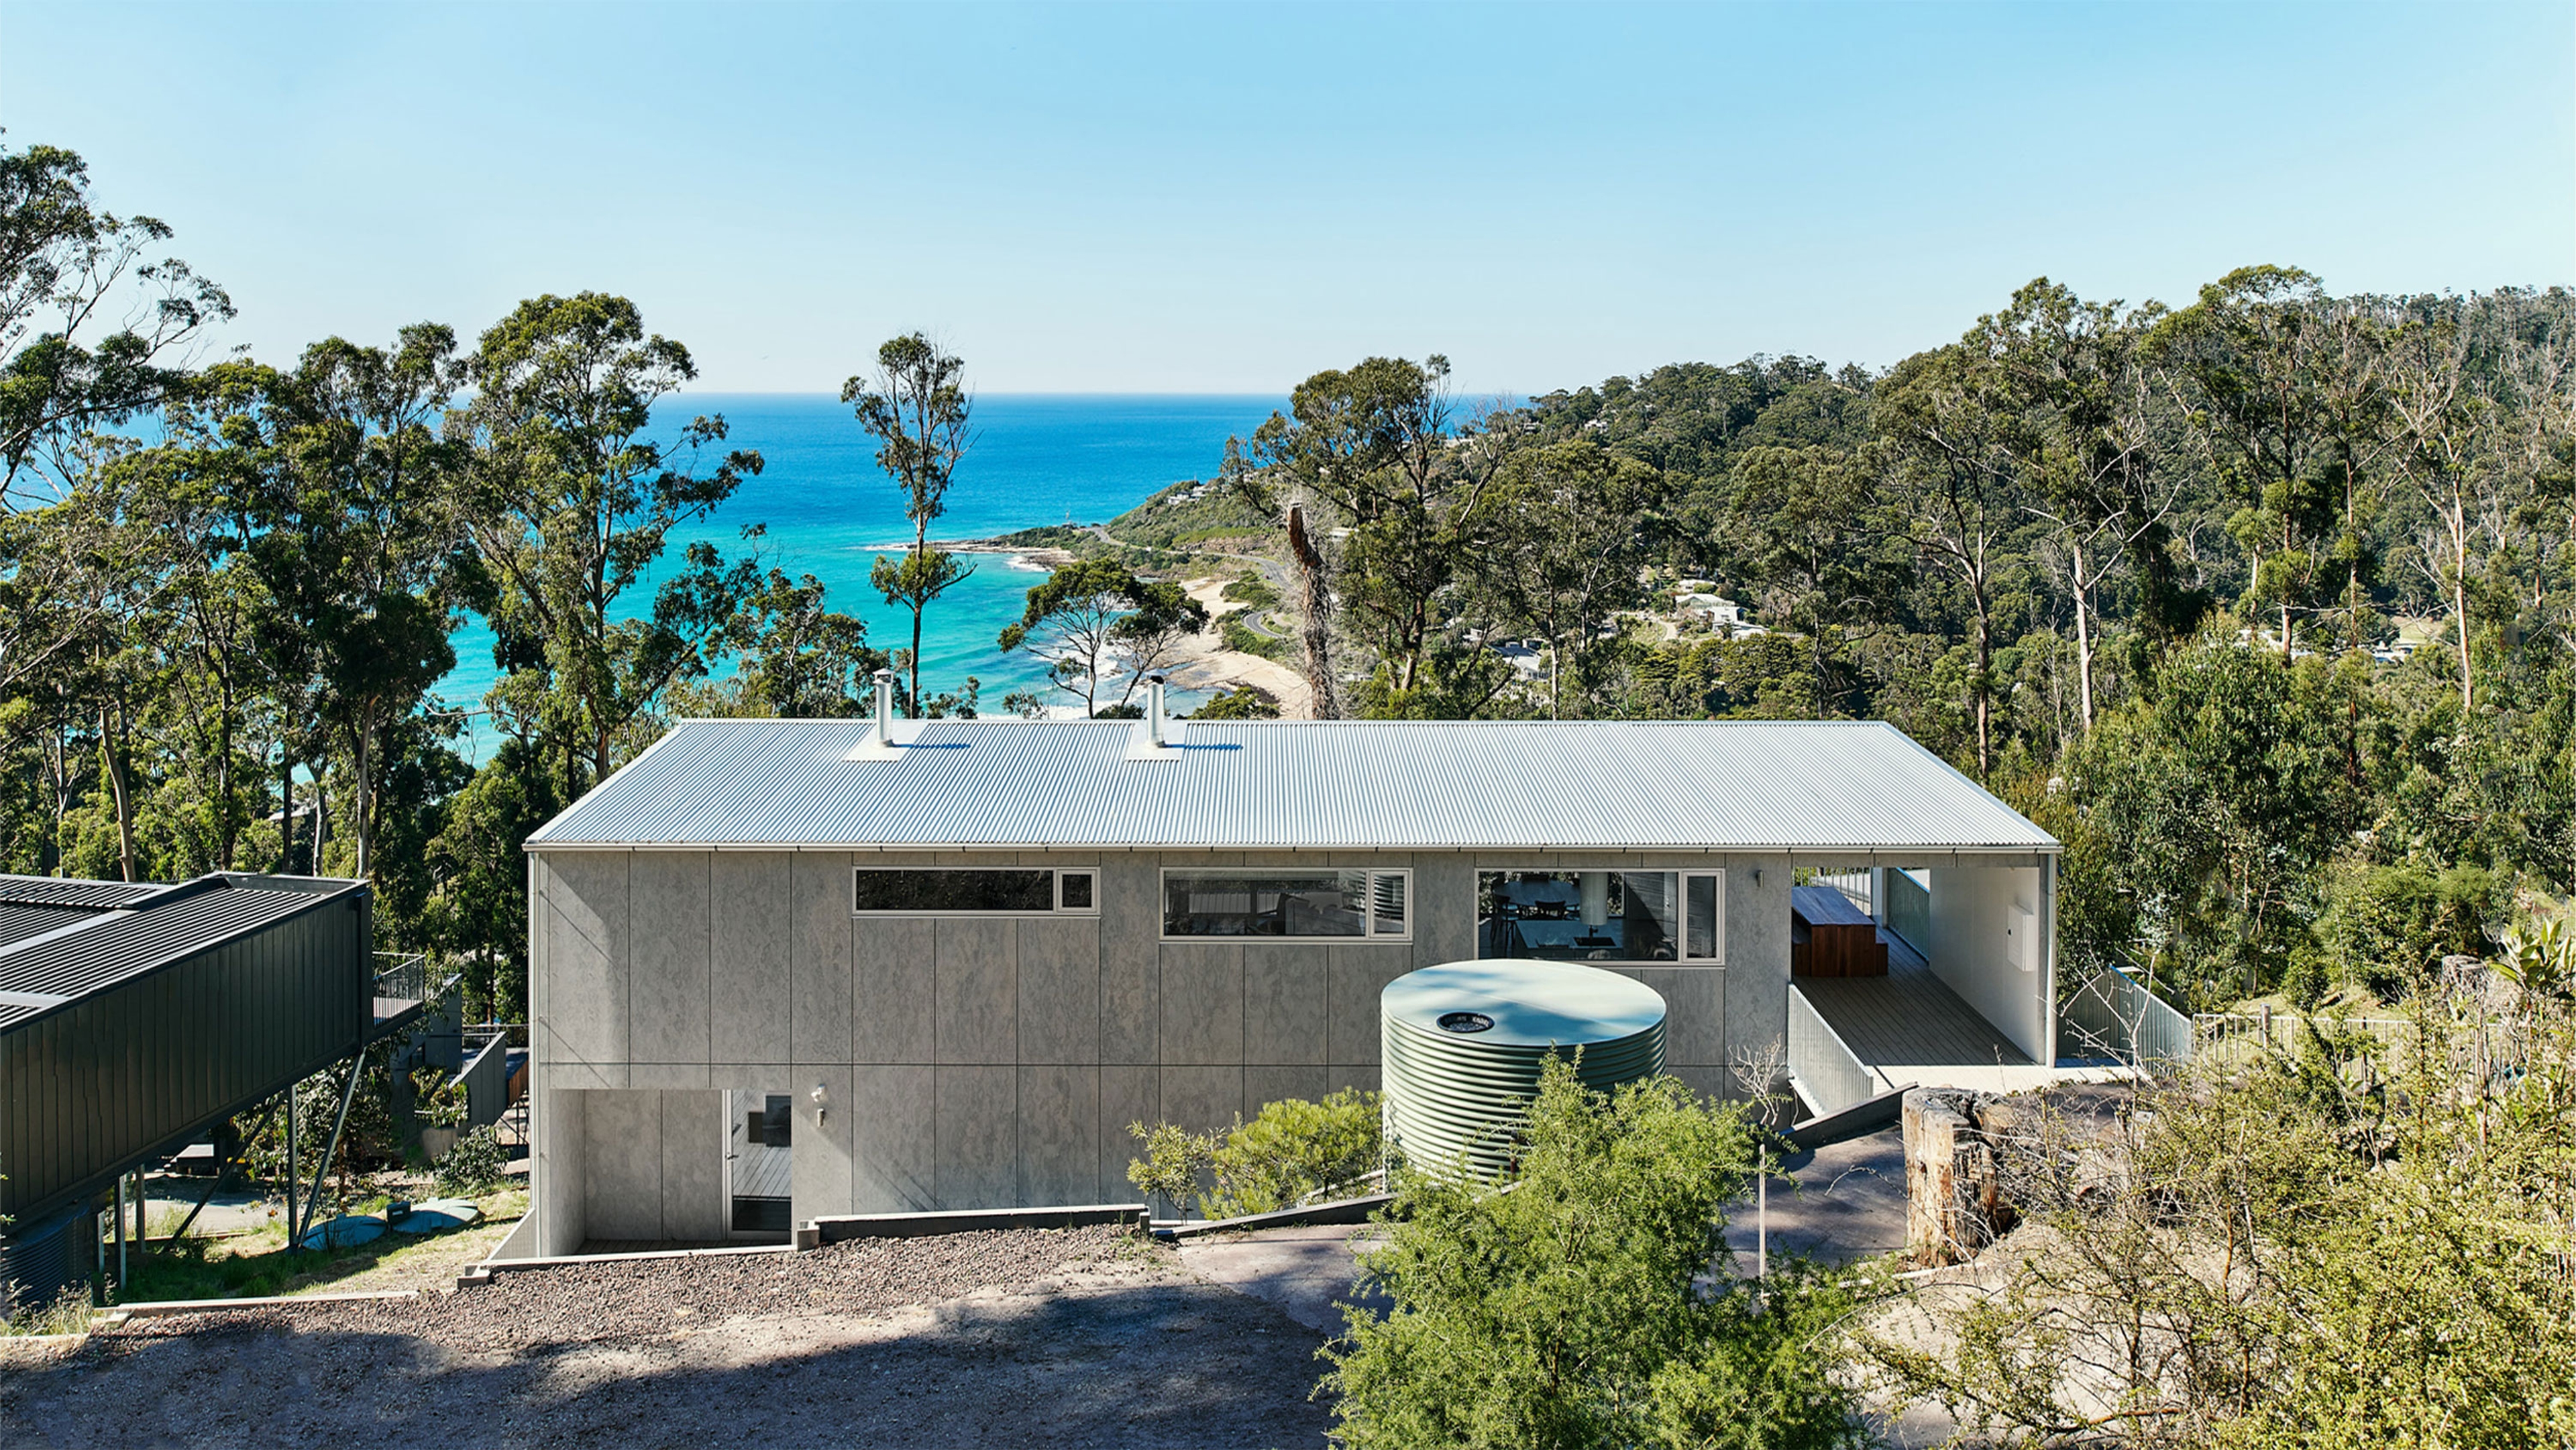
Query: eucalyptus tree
[[917, 408], [1371, 445], [2076, 405], [95, 323], [2253, 365], [2479, 388], [1571, 529], [1950, 492], [1092, 620], [355, 531], [1803, 525], [568, 501], [796, 658]]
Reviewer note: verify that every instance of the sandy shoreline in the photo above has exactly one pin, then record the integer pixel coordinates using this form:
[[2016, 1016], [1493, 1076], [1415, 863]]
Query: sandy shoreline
[[1201, 662], [1051, 557]]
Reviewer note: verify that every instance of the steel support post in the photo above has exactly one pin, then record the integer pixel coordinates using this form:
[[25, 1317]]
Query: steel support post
[[348, 1095]]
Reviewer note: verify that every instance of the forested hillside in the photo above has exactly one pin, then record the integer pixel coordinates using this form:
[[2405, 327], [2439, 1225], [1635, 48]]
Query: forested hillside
[[2262, 604]]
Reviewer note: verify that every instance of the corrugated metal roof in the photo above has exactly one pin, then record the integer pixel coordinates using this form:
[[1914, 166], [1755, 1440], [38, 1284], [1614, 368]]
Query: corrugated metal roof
[[1286, 784], [82, 953], [69, 891], [19, 921]]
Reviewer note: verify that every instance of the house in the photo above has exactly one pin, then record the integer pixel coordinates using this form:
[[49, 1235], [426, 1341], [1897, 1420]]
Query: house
[[791, 968], [1724, 617], [136, 1018]]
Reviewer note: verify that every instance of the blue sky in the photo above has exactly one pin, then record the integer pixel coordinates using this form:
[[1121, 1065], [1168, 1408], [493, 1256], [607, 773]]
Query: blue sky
[[1224, 198]]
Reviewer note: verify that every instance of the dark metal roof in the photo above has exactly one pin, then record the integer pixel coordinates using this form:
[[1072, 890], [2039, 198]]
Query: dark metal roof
[[65, 891], [80, 952], [19, 921]]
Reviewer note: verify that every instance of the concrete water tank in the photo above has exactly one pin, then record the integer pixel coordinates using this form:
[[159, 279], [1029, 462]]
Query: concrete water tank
[[1463, 1045]]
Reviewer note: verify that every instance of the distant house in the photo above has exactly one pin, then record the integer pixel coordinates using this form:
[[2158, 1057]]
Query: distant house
[[790, 968], [1722, 615]]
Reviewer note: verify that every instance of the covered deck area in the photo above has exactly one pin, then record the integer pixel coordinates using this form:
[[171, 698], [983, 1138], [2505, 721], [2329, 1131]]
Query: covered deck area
[[1855, 1037]]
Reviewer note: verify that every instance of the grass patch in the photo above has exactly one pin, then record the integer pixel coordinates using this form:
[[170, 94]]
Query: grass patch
[[259, 1264]]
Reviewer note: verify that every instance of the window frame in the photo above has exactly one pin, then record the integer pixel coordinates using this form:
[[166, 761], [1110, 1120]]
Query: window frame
[[1055, 893], [1368, 894], [1681, 959]]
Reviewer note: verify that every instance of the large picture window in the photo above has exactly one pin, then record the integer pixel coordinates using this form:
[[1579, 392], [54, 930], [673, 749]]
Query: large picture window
[[1674, 917], [972, 891], [1352, 904]]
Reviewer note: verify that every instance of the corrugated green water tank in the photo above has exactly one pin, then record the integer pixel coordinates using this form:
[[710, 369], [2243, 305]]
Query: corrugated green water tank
[[1463, 1045]]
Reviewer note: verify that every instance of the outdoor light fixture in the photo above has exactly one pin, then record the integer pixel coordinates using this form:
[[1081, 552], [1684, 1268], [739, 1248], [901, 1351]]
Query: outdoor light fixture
[[821, 1099]]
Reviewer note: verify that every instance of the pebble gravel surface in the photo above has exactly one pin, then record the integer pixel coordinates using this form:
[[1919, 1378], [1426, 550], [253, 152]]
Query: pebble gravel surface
[[1077, 1337]]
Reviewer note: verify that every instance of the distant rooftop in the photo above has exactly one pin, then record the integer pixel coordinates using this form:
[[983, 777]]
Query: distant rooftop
[[1240, 785]]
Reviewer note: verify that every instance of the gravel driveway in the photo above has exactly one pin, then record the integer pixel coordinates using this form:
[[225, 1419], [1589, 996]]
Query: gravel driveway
[[1080, 1337]]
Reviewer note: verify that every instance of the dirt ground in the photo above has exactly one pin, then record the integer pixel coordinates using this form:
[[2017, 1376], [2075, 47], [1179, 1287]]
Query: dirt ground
[[1077, 1338]]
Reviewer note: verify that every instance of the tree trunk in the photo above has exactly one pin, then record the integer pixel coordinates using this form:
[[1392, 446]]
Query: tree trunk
[[366, 797], [2083, 637], [2460, 606], [1985, 691], [285, 811], [111, 756], [1316, 602]]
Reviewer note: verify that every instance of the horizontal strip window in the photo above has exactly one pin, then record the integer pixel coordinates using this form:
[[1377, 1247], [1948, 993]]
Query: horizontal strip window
[[1353, 905], [974, 891], [1671, 918]]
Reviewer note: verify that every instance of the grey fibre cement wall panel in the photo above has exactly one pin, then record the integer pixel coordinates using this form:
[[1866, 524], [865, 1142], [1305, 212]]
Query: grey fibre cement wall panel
[[1356, 975], [1202, 1005], [977, 1110], [1284, 988], [826, 1143], [588, 955], [820, 949], [976, 1015], [1131, 972], [751, 969], [621, 1164], [894, 990], [1211, 1028], [693, 1169], [670, 995], [1059, 1135], [1128, 1095], [895, 1152], [1059, 1007]]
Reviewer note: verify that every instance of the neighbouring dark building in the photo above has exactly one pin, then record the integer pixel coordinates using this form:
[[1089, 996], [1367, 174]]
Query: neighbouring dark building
[[134, 1018]]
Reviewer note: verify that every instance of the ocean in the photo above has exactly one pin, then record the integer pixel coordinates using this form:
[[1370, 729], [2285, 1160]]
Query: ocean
[[1036, 459]]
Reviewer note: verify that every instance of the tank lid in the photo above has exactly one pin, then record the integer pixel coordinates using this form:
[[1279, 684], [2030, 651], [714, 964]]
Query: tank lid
[[1529, 1004]]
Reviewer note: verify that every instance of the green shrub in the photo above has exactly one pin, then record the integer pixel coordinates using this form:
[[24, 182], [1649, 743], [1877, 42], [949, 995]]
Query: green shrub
[[477, 1164], [1243, 702], [2387, 928], [437, 1102], [1595, 1305], [1254, 590], [1293, 1152]]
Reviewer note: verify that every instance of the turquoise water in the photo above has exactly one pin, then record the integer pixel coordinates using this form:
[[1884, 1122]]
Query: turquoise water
[[1036, 459]]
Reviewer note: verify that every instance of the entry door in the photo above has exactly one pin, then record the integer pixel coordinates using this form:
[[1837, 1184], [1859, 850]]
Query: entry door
[[759, 1142]]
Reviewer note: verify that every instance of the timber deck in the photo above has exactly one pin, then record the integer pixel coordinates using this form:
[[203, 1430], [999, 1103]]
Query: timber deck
[[1907, 1024]]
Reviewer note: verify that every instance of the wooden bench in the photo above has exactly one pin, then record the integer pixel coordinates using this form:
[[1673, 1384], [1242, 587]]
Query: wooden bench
[[1830, 936]]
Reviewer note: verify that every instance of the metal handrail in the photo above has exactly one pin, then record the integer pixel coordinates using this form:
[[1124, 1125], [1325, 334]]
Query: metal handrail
[[411, 976]]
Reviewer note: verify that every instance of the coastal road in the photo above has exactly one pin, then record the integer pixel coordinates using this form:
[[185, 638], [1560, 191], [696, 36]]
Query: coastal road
[[1272, 573]]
